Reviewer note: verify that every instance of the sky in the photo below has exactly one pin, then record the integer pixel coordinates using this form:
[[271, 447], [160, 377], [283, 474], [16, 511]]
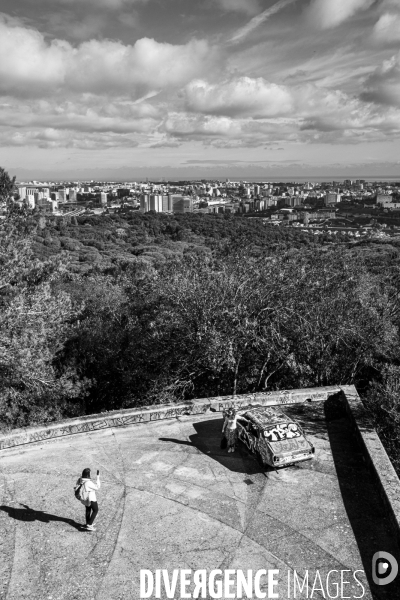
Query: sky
[[172, 88]]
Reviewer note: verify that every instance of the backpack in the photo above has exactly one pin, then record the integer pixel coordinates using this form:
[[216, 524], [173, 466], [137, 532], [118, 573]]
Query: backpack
[[82, 494]]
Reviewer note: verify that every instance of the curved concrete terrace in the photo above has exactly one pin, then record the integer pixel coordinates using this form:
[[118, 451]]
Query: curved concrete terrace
[[171, 499]]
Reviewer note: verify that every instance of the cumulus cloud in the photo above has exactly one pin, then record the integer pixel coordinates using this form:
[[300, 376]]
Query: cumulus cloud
[[104, 93], [196, 127], [33, 65], [330, 13], [383, 85], [106, 66], [225, 118], [92, 116], [256, 98], [239, 97], [387, 29]]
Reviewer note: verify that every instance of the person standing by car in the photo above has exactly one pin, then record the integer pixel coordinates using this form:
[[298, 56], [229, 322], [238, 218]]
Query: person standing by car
[[230, 429], [89, 489]]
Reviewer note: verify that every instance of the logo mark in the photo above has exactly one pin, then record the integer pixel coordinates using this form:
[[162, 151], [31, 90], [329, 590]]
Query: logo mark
[[384, 568]]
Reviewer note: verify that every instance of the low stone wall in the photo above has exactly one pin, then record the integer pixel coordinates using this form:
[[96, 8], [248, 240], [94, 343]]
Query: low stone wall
[[373, 450], [121, 418], [375, 455]]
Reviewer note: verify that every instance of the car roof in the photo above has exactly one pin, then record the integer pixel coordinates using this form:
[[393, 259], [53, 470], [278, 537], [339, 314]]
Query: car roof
[[264, 416]]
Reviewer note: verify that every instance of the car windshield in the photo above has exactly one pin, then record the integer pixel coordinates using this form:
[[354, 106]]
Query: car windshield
[[282, 431]]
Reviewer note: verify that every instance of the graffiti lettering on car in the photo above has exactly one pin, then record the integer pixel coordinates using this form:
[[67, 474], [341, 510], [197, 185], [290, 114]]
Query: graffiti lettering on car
[[282, 431], [249, 440]]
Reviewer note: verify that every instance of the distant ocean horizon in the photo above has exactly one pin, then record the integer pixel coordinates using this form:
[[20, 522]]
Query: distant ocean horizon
[[214, 177], [318, 179]]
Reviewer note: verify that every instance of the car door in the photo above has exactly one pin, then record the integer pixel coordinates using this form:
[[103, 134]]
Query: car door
[[252, 437]]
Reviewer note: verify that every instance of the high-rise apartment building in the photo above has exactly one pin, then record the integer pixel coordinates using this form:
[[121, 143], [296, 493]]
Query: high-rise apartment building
[[144, 203], [331, 198], [62, 195], [167, 203], [155, 202], [182, 204]]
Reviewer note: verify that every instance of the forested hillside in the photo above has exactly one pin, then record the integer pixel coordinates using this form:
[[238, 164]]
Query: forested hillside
[[108, 239], [118, 311]]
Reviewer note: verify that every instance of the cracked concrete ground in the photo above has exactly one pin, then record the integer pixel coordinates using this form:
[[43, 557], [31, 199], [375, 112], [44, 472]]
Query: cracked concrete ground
[[171, 499]]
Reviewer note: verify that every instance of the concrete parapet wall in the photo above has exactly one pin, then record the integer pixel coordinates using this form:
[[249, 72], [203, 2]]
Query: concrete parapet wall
[[132, 416], [371, 446], [375, 454]]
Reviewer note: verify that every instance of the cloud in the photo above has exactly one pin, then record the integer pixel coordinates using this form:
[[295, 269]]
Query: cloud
[[94, 115], [161, 95], [248, 7], [165, 144], [326, 14], [199, 127], [57, 138], [110, 4], [31, 63], [259, 19], [228, 116], [321, 124], [106, 66], [35, 66], [77, 28], [383, 85], [387, 29], [239, 97]]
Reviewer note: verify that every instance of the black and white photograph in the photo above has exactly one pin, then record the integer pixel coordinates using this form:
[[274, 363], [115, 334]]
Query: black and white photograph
[[199, 299]]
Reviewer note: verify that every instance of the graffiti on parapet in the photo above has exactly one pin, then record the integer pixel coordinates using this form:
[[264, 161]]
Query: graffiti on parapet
[[9, 443], [318, 396], [87, 426], [271, 398], [285, 397], [233, 403], [132, 419], [160, 413], [155, 416]]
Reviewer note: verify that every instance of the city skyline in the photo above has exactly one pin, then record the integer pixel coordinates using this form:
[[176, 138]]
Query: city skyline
[[218, 88]]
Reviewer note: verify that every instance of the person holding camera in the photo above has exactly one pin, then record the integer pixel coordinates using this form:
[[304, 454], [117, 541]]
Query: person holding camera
[[88, 495]]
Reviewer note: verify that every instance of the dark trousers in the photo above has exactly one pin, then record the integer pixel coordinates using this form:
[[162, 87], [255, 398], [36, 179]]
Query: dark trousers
[[91, 512]]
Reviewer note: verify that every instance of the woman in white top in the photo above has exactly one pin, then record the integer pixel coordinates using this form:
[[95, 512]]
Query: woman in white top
[[92, 507], [230, 429]]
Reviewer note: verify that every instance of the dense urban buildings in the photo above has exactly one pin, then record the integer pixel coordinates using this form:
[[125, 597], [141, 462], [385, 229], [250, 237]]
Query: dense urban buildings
[[352, 205]]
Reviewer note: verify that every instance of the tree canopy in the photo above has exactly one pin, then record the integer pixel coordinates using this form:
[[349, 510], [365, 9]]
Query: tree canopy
[[125, 310]]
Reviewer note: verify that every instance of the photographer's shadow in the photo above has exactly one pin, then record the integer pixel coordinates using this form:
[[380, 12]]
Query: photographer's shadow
[[28, 514]]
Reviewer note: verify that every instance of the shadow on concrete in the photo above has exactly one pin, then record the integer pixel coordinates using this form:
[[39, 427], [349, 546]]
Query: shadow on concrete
[[175, 441], [310, 416], [364, 507], [30, 514], [207, 440]]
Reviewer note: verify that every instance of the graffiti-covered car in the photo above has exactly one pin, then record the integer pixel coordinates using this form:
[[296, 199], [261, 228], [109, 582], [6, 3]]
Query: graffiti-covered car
[[275, 438]]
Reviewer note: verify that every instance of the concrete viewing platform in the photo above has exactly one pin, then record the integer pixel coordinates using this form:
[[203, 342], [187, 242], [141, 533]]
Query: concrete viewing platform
[[172, 499]]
